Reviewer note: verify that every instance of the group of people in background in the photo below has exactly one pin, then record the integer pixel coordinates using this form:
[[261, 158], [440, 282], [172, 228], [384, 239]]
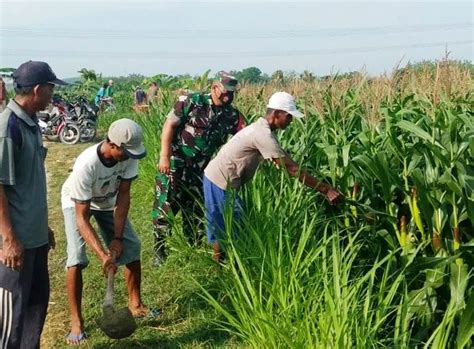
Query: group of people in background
[[142, 100], [140, 97], [189, 173]]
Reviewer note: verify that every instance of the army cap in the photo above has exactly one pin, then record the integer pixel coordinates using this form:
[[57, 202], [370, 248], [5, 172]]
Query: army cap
[[229, 81]]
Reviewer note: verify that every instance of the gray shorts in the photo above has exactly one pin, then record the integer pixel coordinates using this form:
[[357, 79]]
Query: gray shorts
[[76, 246]]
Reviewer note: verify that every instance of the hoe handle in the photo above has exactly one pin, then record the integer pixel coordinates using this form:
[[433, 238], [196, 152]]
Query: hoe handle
[[109, 294]]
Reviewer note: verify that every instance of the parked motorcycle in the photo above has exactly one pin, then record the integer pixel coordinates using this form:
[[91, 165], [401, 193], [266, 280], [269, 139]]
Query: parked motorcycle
[[85, 115], [54, 125]]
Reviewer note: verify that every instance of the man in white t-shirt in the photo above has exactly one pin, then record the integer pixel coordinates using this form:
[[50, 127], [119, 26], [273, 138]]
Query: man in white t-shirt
[[99, 186], [238, 160]]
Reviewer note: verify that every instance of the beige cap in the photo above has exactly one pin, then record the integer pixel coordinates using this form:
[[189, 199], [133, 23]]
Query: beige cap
[[128, 134]]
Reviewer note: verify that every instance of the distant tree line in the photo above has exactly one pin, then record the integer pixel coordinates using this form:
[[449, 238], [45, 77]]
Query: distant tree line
[[252, 75]]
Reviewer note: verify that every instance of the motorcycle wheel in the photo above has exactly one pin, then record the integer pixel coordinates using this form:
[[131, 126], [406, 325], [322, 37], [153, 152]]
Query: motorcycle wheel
[[88, 131], [69, 134]]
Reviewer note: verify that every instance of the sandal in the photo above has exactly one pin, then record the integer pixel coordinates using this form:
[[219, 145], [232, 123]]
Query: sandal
[[76, 339]]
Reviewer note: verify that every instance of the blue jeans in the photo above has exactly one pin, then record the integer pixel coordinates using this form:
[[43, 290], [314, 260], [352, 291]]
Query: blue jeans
[[216, 200]]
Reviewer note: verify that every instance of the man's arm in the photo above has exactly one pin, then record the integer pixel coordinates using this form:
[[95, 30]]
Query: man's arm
[[167, 135], [12, 250], [304, 177], [90, 235], [269, 148], [120, 216]]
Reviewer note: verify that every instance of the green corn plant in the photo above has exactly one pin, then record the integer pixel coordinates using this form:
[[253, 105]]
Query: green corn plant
[[390, 269]]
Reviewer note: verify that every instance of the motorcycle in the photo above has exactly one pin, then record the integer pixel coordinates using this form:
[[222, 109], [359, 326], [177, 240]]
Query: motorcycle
[[85, 115], [55, 125]]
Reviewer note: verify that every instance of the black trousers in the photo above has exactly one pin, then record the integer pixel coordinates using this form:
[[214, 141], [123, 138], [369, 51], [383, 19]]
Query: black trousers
[[24, 299]]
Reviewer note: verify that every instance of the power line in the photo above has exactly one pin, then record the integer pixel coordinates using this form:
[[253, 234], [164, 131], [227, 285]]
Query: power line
[[161, 55], [234, 34]]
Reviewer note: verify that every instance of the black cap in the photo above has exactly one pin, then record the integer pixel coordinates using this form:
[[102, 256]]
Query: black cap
[[33, 73]]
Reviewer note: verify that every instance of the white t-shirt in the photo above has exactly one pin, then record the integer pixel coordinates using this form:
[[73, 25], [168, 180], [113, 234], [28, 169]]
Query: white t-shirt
[[91, 180], [236, 162]]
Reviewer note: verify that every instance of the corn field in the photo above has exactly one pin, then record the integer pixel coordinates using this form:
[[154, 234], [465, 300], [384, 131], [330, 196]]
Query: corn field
[[391, 266]]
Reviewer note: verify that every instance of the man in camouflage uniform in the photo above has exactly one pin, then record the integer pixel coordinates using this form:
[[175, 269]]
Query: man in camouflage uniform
[[193, 131]]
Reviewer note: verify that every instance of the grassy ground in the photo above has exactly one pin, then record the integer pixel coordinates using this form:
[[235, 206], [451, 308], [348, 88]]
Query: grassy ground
[[186, 319]]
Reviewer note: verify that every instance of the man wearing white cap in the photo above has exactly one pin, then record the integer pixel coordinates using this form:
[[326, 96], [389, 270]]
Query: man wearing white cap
[[99, 186], [237, 162]]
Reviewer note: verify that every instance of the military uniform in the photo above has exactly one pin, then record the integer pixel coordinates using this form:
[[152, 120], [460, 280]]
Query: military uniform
[[203, 128]]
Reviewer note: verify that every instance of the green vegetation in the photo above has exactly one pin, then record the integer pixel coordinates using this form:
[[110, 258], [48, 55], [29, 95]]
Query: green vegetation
[[390, 267]]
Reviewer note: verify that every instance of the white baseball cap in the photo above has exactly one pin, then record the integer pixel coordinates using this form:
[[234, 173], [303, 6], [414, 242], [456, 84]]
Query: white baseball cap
[[128, 134], [284, 101]]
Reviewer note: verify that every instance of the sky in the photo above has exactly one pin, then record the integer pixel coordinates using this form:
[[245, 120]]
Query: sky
[[178, 37]]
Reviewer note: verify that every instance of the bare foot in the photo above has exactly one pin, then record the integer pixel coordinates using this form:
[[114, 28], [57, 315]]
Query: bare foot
[[218, 255], [139, 311]]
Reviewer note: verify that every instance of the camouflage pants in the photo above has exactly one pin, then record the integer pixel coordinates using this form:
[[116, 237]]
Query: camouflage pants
[[181, 190]]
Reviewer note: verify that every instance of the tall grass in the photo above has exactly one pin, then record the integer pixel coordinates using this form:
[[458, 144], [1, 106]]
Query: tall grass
[[296, 277], [396, 279], [394, 271]]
